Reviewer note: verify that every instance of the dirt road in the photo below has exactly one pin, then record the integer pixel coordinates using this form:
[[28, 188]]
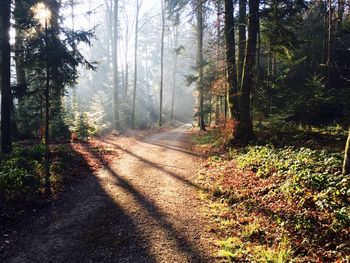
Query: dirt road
[[141, 208]]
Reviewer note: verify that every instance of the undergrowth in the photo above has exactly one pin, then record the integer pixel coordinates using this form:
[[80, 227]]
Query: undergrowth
[[279, 204], [21, 172], [22, 176]]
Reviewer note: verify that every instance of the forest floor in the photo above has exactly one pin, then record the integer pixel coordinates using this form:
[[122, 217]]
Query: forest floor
[[140, 204], [282, 198]]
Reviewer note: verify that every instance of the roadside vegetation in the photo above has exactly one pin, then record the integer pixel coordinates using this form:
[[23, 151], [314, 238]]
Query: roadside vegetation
[[282, 198], [22, 174]]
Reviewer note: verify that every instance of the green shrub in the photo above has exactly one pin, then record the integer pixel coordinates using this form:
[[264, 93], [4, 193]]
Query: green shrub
[[83, 128], [20, 172], [309, 174], [16, 181]]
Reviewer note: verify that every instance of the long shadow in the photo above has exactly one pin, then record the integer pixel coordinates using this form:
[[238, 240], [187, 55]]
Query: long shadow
[[174, 148], [182, 242], [154, 165], [83, 225], [172, 136]]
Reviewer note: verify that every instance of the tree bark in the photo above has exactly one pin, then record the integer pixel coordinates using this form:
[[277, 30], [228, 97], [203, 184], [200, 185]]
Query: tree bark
[[161, 67], [325, 27], [174, 72], [47, 116], [242, 37], [115, 68], [109, 17], [19, 48], [5, 75], [218, 39], [231, 70], [329, 47], [346, 164], [126, 56], [200, 86], [135, 64], [245, 127]]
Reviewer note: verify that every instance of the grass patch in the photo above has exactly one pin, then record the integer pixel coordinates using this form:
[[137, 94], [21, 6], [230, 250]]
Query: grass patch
[[279, 254], [207, 137]]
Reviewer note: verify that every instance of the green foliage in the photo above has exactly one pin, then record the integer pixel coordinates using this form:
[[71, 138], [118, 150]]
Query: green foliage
[[97, 115], [311, 177], [314, 166], [280, 254], [206, 138], [59, 126], [20, 172], [290, 80], [83, 128], [231, 249], [54, 47], [234, 249]]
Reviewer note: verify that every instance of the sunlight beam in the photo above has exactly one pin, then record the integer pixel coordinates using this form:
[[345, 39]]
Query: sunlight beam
[[41, 13]]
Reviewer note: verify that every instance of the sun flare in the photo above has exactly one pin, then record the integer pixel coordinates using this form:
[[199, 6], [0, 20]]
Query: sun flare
[[41, 13]]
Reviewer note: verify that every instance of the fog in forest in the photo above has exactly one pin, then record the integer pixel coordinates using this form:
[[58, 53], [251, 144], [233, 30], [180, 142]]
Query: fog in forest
[[93, 93]]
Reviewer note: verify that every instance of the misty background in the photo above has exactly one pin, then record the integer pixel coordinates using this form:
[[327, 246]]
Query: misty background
[[93, 92]]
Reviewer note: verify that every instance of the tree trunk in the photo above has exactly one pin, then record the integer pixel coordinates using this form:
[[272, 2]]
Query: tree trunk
[[5, 75], [19, 48], [340, 13], [245, 127], [47, 116], [115, 68], [126, 59], [174, 72], [325, 42], [74, 88], [200, 86], [346, 165], [231, 60], [109, 17], [161, 67], [242, 37], [218, 37], [135, 64], [329, 47]]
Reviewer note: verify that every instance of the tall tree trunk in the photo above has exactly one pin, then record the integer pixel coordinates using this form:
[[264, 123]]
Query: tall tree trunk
[[329, 47], [74, 88], [126, 58], [19, 48], [109, 16], [5, 75], [242, 37], [47, 115], [115, 68], [19, 59], [161, 67], [56, 89], [174, 72], [231, 60], [126, 79], [200, 86], [245, 127], [340, 13], [218, 37], [135, 64], [346, 165], [325, 42]]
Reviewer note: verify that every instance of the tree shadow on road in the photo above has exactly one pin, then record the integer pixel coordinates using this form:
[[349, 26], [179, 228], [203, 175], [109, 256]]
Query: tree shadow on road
[[183, 244], [157, 166], [84, 225]]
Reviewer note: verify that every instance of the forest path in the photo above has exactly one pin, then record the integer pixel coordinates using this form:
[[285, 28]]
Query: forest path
[[144, 207]]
